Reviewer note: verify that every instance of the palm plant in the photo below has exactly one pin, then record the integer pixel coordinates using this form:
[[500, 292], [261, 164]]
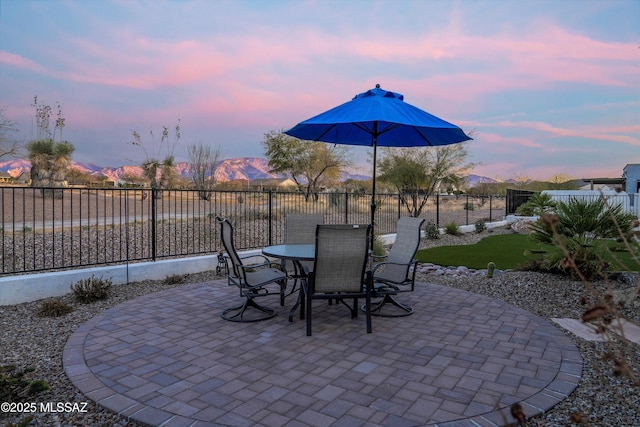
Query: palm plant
[[542, 203], [40, 152], [538, 204], [60, 162], [167, 173], [576, 228], [586, 217], [49, 164]]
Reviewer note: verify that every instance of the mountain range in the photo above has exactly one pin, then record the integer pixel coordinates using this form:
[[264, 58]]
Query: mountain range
[[241, 168]]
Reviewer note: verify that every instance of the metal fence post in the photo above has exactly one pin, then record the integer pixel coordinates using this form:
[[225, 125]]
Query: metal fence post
[[346, 207], [438, 210], [468, 207], [154, 224], [270, 217], [490, 207]]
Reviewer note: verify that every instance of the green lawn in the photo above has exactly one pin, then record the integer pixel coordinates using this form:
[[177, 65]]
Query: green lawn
[[509, 251]]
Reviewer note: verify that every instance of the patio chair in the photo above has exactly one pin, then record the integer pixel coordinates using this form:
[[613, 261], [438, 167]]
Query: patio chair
[[339, 270], [397, 273], [300, 228], [251, 279]]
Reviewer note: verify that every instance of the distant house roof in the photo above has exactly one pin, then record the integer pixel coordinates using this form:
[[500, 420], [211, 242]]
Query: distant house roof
[[600, 183], [6, 177]]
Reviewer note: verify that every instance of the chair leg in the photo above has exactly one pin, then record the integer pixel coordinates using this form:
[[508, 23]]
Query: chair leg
[[367, 305], [388, 300], [302, 302], [282, 293], [241, 309], [308, 314]]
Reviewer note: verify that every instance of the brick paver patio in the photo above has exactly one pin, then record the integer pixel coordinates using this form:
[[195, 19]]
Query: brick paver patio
[[460, 360]]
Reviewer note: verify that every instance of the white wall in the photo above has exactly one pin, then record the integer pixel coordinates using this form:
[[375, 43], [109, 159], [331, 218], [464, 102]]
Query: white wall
[[612, 197], [31, 287]]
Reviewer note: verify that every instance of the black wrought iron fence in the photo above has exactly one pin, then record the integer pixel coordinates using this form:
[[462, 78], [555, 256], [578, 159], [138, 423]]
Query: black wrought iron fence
[[79, 227]]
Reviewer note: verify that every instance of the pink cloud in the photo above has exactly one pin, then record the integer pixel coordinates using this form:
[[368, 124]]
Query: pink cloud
[[609, 133], [541, 56], [18, 61]]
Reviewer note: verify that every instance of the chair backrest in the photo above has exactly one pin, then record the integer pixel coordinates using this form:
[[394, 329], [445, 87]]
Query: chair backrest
[[301, 228], [403, 250], [341, 257], [226, 233]]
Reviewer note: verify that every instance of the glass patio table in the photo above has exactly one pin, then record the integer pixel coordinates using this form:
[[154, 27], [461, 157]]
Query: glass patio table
[[295, 252]]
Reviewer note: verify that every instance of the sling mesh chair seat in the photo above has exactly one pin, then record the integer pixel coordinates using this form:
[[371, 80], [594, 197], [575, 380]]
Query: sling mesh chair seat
[[251, 279], [339, 270], [300, 229], [398, 272]]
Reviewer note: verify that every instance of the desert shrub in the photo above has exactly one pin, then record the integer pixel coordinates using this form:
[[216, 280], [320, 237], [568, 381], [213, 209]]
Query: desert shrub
[[585, 257], [579, 256], [524, 210], [91, 289], [452, 229], [431, 231], [378, 246], [584, 217], [15, 383], [468, 206], [480, 226], [538, 204], [577, 228], [174, 279], [54, 307]]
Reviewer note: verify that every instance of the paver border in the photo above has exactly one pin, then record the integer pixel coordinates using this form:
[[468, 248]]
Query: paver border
[[557, 388]]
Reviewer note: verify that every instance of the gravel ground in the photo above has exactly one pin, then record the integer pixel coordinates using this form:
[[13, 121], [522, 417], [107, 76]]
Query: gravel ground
[[603, 398]]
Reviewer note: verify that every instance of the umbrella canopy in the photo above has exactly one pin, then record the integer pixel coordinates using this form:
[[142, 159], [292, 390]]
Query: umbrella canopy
[[378, 118], [375, 118]]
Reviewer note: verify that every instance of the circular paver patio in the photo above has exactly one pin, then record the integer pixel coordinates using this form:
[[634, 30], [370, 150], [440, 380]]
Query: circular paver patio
[[461, 359]]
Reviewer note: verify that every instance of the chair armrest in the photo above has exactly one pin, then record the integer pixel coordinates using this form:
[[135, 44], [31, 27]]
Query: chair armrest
[[267, 263], [381, 265]]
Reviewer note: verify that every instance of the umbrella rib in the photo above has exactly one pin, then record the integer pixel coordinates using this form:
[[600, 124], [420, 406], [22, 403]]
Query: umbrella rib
[[424, 138], [391, 126], [319, 137]]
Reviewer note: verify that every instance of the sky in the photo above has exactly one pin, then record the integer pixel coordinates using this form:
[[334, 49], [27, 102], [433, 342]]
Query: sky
[[544, 87]]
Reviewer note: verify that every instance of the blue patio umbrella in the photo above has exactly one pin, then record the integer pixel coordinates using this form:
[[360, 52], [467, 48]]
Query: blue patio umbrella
[[375, 118]]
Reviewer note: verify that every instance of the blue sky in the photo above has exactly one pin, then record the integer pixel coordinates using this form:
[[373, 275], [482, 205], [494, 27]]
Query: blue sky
[[547, 87]]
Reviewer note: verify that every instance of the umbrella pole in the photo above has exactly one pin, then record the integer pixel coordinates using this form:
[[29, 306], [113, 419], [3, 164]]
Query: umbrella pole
[[373, 190]]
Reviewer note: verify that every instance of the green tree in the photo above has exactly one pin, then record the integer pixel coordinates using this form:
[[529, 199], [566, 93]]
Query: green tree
[[202, 163], [310, 164], [416, 173]]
